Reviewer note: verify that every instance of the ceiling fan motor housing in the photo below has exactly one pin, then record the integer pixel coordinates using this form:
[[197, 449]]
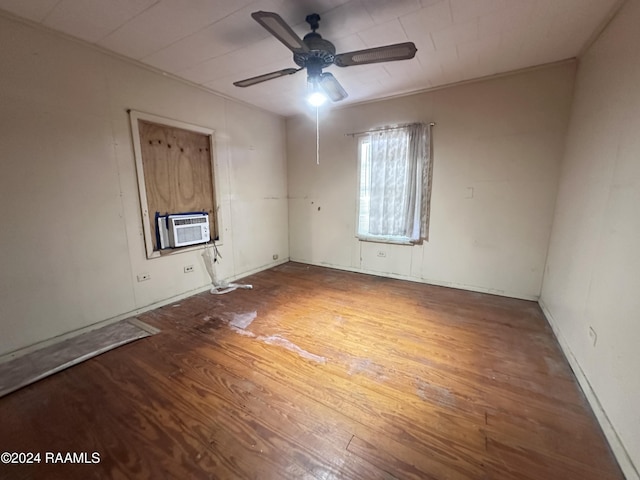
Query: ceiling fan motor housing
[[321, 52]]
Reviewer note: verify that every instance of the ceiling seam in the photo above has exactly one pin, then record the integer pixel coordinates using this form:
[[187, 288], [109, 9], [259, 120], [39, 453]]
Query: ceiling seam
[[196, 32], [48, 14], [157, 2], [613, 13]]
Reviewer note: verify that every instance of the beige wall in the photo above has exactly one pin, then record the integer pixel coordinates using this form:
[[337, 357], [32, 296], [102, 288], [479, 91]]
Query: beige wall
[[501, 139], [71, 236], [593, 272]]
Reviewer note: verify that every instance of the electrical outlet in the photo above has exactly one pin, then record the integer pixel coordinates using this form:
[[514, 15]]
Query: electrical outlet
[[188, 269], [142, 277], [382, 253], [275, 256], [593, 336]]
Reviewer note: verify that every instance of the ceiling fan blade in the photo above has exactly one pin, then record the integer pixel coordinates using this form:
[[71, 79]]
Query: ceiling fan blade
[[277, 27], [388, 53], [267, 76], [332, 87]]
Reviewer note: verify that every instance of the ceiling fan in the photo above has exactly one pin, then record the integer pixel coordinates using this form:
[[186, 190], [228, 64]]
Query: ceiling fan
[[315, 53]]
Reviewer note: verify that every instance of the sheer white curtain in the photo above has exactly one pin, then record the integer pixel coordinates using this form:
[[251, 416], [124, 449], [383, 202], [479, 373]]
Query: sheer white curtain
[[394, 176]]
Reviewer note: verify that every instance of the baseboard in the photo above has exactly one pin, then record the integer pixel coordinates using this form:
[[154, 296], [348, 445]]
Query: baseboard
[[258, 269], [617, 447], [427, 281], [103, 323], [176, 298]]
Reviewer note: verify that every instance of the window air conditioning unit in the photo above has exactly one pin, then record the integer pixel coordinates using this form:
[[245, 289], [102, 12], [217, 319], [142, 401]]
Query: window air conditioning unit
[[187, 229]]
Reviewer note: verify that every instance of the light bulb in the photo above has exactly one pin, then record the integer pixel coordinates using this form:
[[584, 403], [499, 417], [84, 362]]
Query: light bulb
[[316, 98]]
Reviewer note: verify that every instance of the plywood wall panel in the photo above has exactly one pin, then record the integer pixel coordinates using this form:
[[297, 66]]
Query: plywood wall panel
[[177, 171]]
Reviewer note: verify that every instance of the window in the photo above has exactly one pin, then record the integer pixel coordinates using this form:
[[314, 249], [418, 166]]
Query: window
[[175, 167], [394, 185]]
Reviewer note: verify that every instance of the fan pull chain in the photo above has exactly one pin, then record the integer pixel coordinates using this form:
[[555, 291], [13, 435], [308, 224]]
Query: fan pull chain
[[317, 139]]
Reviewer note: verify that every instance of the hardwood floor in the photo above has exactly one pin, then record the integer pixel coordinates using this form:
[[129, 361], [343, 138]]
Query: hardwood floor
[[319, 374]]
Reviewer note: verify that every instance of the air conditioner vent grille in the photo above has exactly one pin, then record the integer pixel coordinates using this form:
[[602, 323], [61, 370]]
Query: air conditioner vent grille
[[189, 221]]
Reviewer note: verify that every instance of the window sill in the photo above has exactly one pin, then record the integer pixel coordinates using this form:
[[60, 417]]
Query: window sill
[[392, 240], [167, 252]]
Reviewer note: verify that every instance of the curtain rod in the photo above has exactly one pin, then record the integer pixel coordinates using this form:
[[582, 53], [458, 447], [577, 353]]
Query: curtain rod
[[353, 134]]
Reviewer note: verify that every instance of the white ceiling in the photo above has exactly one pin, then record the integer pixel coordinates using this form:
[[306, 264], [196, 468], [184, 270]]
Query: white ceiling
[[216, 42]]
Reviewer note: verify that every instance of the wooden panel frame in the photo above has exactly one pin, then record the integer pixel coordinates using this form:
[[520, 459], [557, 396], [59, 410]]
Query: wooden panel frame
[[147, 220]]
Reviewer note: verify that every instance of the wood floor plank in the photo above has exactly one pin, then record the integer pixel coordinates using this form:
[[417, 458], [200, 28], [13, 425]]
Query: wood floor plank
[[326, 412], [416, 466], [510, 430], [320, 374], [296, 417]]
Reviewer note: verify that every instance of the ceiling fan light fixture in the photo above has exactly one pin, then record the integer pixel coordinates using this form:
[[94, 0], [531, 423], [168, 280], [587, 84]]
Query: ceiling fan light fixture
[[332, 88], [315, 96], [314, 53]]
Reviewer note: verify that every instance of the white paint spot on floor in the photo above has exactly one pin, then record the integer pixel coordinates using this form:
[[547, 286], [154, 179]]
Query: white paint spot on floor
[[435, 393], [359, 365], [243, 320], [241, 331], [240, 321], [283, 342], [365, 366]]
